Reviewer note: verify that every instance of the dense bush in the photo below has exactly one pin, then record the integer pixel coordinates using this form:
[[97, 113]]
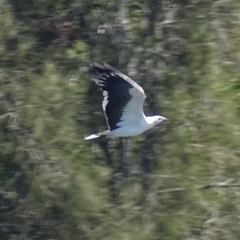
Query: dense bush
[[184, 182]]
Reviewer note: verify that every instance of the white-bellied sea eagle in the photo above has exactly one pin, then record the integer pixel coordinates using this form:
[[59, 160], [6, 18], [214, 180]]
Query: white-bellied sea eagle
[[122, 103]]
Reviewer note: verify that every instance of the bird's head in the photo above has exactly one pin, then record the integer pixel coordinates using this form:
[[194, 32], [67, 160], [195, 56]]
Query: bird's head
[[158, 119]]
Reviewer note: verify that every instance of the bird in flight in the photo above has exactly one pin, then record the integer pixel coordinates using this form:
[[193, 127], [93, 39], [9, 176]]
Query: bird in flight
[[122, 103]]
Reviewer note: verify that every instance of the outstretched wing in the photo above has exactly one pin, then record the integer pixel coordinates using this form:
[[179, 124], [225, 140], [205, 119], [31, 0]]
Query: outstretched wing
[[123, 98]]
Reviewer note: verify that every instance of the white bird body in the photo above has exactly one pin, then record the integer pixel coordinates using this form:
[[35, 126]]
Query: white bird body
[[135, 128], [122, 104]]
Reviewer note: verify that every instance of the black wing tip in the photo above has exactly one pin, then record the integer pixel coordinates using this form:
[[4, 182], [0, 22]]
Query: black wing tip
[[96, 66], [101, 66]]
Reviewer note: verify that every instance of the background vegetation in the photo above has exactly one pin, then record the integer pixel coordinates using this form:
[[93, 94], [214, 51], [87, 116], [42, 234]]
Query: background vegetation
[[185, 178]]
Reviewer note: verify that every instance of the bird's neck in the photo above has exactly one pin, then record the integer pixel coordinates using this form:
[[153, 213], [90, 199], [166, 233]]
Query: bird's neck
[[150, 120]]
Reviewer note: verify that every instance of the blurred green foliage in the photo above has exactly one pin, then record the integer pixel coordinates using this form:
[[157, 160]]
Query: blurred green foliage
[[79, 52], [184, 182]]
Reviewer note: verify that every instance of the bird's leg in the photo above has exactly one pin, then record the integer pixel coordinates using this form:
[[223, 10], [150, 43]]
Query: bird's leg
[[125, 156]]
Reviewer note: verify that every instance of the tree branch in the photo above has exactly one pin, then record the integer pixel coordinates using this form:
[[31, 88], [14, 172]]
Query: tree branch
[[207, 186]]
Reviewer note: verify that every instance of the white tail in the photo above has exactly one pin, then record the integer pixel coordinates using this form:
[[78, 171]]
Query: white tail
[[97, 135], [93, 136]]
